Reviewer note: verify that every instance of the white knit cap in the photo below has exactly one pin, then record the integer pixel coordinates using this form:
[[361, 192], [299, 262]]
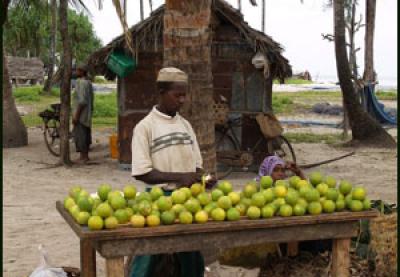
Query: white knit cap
[[172, 74]]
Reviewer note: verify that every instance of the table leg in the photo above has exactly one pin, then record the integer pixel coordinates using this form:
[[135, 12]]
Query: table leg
[[292, 248], [88, 259], [341, 257], [115, 267]]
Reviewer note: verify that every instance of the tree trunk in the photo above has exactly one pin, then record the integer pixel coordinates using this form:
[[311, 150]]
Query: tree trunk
[[263, 16], [14, 130], [364, 128], [48, 83], [65, 90], [187, 45], [369, 74], [141, 10]]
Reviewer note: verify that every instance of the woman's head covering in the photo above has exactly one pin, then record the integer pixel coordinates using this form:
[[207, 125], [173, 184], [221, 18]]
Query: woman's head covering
[[268, 165]]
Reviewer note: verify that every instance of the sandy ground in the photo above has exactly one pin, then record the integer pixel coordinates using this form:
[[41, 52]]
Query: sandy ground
[[31, 186]]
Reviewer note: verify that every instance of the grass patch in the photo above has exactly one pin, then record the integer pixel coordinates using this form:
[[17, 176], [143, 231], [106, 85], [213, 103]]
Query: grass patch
[[386, 95], [99, 122], [102, 80], [34, 94], [294, 81], [313, 138], [282, 104], [105, 105], [104, 114]]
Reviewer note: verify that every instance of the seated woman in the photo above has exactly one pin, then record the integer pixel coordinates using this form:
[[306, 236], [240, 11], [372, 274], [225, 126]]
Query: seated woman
[[277, 168]]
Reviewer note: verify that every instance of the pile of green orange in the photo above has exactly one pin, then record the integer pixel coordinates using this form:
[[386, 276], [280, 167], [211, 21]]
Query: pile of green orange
[[264, 199]]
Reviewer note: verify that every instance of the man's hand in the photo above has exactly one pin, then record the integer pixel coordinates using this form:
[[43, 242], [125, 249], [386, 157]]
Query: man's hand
[[211, 182], [188, 179], [295, 169]]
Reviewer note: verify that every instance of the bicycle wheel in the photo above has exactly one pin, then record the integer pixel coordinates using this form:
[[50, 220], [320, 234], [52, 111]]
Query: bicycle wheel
[[224, 143], [52, 136], [281, 147]]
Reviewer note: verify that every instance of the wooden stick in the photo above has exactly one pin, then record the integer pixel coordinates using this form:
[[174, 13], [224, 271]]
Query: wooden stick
[[326, 161]]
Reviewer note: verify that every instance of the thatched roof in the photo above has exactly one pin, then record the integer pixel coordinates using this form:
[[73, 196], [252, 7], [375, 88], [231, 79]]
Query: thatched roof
[[25, 68], [148, 35]]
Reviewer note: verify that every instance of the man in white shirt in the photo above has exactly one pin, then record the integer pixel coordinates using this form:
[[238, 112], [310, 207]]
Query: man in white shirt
[[165, 152], [164, 147]]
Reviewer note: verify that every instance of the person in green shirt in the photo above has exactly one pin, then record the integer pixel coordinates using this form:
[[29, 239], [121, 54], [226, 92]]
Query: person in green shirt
[[82, 111]]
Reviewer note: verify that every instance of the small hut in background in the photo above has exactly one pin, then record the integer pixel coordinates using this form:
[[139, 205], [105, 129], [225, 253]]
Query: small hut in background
[[236, 48], [25, 71]]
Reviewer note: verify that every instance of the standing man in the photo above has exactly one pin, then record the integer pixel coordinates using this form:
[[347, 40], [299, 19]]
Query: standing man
[[82, 113], [165, 152]]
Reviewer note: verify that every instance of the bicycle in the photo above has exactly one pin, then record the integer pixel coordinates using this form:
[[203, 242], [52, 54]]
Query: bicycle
[[51, 128], [230, 153]]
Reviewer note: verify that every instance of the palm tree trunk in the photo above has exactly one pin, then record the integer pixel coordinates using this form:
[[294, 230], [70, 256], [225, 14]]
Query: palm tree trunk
[[364, 128], [141, 10], [263, 16], [193, 55], [14, 130], [65, 90], [48, 83], [369, 74]]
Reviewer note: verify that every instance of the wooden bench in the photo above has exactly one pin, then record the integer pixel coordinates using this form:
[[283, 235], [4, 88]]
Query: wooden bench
[[117, 243]]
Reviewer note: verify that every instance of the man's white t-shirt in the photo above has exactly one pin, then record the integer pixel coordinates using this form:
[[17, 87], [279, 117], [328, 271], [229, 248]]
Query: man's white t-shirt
[[164, 143]]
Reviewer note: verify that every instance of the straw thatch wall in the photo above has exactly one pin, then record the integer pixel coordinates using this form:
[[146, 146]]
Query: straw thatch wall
[[22, 70]]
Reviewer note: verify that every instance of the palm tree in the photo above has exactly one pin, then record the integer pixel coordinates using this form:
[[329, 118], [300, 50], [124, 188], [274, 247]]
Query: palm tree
[[53, 38], [364, 128], [369, 74], [14, 130]]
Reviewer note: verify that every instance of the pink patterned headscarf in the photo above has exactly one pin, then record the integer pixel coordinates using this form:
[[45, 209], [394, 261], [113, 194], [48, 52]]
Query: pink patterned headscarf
[[268, 165]]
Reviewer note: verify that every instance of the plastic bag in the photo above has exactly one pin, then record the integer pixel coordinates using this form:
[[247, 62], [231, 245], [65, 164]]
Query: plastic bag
[[260, 61], [44, 269]]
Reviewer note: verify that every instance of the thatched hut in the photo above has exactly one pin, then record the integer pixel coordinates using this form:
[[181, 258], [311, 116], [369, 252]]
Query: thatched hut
[[25, 70], [234, 76]]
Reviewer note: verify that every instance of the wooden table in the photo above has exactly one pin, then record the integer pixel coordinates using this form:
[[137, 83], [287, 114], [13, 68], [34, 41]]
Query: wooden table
[[115, 244]]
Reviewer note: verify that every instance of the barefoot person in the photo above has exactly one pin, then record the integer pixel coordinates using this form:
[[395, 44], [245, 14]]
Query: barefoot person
[[275, 167], [165, 152], [82, 113]]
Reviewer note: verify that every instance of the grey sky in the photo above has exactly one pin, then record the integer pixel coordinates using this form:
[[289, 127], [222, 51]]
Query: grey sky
[[297, 27]]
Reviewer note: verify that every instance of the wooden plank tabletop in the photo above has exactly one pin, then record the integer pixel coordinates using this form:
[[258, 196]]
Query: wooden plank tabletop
[[210, 227]]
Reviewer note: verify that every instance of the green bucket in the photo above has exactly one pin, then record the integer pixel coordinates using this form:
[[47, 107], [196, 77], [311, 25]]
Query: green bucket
[[121, 64]]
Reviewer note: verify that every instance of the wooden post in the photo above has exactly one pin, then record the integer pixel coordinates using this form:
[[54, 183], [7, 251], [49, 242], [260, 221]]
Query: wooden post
[[187, 45], [88, 259], [292, 248], [115, 267], [340, 258]]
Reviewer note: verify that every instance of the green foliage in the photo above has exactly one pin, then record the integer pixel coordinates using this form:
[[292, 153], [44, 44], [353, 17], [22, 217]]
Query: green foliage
[[29, 30], [83, 38]]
